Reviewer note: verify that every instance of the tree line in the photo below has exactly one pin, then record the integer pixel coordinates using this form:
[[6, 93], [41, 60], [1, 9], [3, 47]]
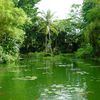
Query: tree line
[[22, 30]]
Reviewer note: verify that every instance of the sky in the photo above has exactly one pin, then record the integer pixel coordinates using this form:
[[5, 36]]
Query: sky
[[60, 7]]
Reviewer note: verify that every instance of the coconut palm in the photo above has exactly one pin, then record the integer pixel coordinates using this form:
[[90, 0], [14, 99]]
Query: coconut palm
[[48, 27]]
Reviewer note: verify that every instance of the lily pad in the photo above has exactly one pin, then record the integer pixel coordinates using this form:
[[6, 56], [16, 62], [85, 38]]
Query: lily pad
[[26, 78]]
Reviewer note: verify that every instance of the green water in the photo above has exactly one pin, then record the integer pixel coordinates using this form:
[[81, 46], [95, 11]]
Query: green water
[[56, 78]]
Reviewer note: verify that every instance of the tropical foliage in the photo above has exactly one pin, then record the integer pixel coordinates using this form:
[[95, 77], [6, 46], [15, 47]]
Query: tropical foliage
[[91, 28], [11, 33], [24, 29]]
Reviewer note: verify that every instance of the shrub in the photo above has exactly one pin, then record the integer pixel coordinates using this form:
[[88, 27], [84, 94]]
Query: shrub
[[86, 51], [8, 58], [1, 53]]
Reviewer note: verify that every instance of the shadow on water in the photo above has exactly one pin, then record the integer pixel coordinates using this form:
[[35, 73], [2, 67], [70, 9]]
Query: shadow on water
[[50, 78]]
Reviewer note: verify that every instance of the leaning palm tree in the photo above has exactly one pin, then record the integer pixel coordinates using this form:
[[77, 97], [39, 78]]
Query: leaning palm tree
[[48, 26]]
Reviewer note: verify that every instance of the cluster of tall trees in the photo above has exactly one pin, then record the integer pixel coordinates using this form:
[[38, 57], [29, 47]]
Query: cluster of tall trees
[[49, 34], [91, 26], [12, 20], [16, 19], [23, 31]]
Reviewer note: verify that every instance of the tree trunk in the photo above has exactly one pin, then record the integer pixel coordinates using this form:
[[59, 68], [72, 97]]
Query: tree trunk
[[46, 44]]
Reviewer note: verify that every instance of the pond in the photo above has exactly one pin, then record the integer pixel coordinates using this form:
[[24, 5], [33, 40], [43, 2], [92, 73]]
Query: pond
[[61, 77]]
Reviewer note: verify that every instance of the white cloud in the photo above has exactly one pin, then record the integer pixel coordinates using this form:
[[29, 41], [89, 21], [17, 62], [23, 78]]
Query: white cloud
[[60, 7]]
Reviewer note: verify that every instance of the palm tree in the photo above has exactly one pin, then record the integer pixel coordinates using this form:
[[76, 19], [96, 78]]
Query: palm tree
[[48, 26]]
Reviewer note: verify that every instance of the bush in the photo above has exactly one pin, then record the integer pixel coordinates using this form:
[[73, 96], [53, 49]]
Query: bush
[[1, 53], [86, 51], [6, 57]]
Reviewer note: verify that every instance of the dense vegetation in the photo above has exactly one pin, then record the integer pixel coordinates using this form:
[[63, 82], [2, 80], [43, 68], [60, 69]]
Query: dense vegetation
[[22, 30], [12, 20]]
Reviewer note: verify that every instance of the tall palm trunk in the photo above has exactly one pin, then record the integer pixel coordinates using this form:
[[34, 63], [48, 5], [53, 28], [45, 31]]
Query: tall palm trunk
[[50, 48], [46, 42]]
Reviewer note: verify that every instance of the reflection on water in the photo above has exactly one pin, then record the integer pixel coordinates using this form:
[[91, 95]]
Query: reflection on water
[[61, 92], [58, 78]]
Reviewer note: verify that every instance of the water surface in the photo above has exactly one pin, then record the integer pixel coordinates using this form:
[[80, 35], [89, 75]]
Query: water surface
[[56, 78]]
